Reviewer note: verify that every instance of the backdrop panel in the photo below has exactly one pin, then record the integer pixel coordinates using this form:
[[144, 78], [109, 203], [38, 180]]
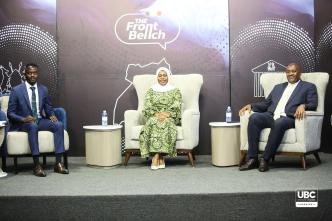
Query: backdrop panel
[[266, 35], [103, 45], [27, 33]]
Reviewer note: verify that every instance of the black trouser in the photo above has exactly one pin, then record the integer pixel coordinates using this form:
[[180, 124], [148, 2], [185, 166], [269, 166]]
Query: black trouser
[[259, 121]]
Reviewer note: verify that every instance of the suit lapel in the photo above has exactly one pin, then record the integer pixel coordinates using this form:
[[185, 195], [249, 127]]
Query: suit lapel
[[40, 95], [283, 87], [26, 96], [297, 89]]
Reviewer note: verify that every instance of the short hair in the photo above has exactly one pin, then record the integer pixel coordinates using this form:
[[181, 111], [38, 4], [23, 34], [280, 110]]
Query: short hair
[[298, 67], [31, 65]]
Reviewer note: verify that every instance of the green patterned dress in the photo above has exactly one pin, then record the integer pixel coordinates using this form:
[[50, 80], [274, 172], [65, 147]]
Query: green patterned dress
[[155, 136]]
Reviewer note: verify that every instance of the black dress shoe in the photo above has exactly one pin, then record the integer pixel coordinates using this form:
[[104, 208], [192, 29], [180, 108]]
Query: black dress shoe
[[250, 164], [38, 171], [59, 168], [263, 165]]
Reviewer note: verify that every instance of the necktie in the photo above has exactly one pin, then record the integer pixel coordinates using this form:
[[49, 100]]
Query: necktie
[[34, 103]]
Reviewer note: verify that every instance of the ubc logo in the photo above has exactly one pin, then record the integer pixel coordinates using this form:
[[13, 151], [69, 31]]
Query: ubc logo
[[306, 198]]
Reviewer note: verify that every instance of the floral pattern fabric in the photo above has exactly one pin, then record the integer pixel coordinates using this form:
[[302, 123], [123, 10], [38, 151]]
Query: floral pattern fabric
[[155, 136]]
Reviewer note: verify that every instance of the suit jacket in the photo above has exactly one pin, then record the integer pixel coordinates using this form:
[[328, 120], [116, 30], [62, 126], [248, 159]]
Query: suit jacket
[[304, 93], [19, 105]]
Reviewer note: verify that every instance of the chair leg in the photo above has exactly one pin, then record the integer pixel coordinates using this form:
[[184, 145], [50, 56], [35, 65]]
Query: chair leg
[[127, 156], [243, 155], [303, 161], [317, 157], [44, 161], [4, 166], [190, 156], [65, 160], [15, 165]]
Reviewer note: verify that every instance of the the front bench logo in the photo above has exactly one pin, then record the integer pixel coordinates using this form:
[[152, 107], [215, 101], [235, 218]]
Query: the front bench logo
[[306, 198]]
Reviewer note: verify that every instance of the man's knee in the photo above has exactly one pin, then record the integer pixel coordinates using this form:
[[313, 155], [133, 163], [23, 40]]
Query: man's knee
[[253, 118], [58, 125], [31, 126]]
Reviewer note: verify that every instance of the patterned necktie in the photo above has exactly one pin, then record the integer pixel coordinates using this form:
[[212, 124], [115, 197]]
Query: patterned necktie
[[34, 104]]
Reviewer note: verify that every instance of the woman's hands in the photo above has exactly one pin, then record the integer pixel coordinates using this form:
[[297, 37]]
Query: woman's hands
[[161, 116]]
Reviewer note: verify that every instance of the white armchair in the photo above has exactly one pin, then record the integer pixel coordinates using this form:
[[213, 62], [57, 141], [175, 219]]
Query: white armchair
[[18, 144], [302, 140], [187, 132]]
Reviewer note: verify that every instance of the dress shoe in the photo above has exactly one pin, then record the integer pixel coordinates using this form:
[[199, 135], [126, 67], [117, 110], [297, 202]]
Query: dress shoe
[[250, 164], [263, 165], [38, 171], [59, 168]]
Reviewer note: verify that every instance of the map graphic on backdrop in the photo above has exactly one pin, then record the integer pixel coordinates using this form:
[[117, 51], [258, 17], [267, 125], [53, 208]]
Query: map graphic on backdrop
[[135, 69]]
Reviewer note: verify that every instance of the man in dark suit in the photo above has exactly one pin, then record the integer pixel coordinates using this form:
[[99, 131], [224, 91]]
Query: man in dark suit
[[30, 110], [286, 102]]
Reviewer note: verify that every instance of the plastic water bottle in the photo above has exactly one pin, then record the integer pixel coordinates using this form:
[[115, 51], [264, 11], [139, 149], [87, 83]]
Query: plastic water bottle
[[228, 114], [104, 118]]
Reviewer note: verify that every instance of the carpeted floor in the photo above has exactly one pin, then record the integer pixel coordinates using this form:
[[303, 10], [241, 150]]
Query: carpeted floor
[[178, 178], [178, 192]]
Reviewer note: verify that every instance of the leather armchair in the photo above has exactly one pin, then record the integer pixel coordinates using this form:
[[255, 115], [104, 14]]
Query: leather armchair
[[187, 133], [302, 140]]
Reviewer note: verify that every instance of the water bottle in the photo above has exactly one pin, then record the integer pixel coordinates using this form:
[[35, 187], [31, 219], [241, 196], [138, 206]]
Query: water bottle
[[104, 118], [228, 114]]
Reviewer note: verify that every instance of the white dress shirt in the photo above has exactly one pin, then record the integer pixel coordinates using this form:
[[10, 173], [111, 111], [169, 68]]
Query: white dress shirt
[[30, 96], [280, 109]]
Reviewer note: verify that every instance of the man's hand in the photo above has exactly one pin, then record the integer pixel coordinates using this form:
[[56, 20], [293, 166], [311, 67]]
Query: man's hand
[[53, 118], [28, 119], [300, 112], [244, 109]]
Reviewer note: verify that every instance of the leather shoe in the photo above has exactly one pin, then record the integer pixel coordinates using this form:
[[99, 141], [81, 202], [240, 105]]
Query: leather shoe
[[263, 165], [38, 171], [59, 168], [250, 164]]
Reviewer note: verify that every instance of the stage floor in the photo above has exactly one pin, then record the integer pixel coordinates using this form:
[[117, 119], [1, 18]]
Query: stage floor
[[285, 175]]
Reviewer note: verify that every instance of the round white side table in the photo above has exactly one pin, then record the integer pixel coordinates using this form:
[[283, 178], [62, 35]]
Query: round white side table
[[225, 140], [103, 145]]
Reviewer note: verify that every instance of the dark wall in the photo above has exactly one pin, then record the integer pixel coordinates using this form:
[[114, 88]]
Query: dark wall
[[323, 40]]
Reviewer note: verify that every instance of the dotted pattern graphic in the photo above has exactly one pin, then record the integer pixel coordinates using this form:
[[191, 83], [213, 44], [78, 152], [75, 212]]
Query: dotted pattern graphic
[[32, 41], [281, 35], [324, 45]]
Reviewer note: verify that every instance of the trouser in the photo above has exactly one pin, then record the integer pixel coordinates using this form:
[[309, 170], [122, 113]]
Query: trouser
[[259, 121], [45, 125]]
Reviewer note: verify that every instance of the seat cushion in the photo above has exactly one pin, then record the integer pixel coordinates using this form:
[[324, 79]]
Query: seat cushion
[[17, 142], [137, 130], [289, 136]]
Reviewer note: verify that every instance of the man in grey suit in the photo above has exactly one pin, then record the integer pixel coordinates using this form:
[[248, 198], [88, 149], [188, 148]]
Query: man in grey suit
[[30, 110], [286, 102]]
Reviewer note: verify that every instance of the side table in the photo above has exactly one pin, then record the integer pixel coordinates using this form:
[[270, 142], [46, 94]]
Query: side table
[[225, 140], [103, 145]]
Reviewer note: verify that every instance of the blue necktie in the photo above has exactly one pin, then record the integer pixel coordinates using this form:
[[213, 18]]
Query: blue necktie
[[34, 104]]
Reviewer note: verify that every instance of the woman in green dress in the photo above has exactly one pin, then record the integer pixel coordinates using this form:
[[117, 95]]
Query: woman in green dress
[[162, 112]]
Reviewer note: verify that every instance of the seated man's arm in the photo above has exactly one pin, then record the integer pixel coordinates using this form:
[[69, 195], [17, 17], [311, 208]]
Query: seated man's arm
[[311, 98], [12, 108]]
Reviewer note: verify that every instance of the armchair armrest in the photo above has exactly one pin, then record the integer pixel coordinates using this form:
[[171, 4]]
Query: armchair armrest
[[132, 118], [61, 114], [190, 127], [244, 120], [308, 130]]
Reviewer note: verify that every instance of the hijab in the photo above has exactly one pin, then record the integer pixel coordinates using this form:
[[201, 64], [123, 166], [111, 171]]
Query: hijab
[[163, 88]]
